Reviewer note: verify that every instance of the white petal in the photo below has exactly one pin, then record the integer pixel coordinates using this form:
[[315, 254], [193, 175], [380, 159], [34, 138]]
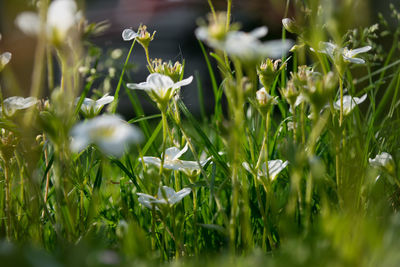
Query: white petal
[[61, 17], [354, 52], [361, 99], [106, 99], [4, 59], [259, 32], [166, 193], [277, 48], [129, 34], [159, 81], [275, 167], [140, 86], [152, 160], [247, 167], [28, 23], [183, 82], [354, 60], [179, 195]]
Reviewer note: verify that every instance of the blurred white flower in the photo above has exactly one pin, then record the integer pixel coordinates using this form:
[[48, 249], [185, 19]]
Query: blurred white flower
[[28, 22], [384, 161], [4, 59], [62, 16], [165, 196], [129, 34], [381, 160], [108, 132], [160, 87], [348, 55], [349, 103], [91, 108], [247, 46], [274, 167], [265, 99], [14, 103], [172, 161]]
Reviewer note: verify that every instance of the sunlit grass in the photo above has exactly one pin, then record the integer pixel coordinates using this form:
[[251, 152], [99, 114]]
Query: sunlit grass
[[299, 168]]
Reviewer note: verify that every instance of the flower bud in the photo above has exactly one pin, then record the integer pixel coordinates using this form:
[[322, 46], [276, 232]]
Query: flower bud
[[291, 26]]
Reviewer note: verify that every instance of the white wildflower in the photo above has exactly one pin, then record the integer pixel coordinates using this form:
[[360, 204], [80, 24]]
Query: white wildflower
[[247, 46], [159, 87], [348, 55], [62, 16], [172, 161], [14, 103], [274, 168], [349, 103], [91, 108], [4, 59], [165, 196], [109, 132]]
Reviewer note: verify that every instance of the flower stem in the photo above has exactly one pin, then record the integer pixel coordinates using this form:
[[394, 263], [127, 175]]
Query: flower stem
[[8, 198]]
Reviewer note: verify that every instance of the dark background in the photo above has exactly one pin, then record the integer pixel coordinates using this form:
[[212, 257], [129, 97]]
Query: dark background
[[174, 21]]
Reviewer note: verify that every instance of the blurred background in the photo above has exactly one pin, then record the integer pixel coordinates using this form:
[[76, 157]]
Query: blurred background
[[174, 21]]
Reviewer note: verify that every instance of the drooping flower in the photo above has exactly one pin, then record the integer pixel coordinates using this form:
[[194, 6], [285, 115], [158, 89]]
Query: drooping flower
[[91, 108], [172, 161], [62, 16], [349, 103], [166, 196], [14, 103], [160, 88], [4, 59], [274, 168], [108, 132], [348, 55]]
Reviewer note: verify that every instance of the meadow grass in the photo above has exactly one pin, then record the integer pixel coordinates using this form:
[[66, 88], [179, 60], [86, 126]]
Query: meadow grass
[[298, 167]]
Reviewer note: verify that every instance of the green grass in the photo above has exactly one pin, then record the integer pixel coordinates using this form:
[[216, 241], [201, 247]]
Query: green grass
[[327, 207]]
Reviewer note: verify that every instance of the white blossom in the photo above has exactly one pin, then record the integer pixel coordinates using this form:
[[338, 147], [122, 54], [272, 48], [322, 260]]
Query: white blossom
[[165, 196], [274, 168], [62, 16], [247, 46], [160, 87], [91, 108], [172, 161], [349, 103], [383, 160], [14, 103], [108, 132], [348, 55]]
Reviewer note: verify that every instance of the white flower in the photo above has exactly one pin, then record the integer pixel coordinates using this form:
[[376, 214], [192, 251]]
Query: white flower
[[91, 108], [4, 59], [381, 160], [172, 161], [109, 132], [62, 16], [160, 87], [247, 46], [14, 103], [263, 98], [348, 55], [129, 34], [349, 103], [165, 196], [274, 168], [28, 22]]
